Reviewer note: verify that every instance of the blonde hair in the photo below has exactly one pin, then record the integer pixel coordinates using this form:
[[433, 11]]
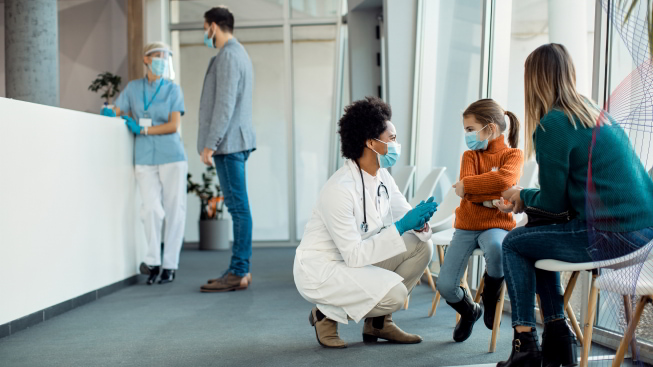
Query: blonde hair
[[155, 45], [550, 83], [487, 111]]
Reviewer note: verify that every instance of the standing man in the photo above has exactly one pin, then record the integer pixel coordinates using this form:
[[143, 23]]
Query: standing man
[[226, 137]]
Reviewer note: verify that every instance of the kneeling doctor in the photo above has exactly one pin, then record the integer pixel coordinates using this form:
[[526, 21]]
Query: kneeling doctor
[[364, 247]]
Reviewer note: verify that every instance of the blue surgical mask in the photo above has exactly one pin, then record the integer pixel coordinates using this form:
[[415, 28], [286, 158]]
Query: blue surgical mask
[[158, 66], [208, 41], [471, 138], [391, 157]]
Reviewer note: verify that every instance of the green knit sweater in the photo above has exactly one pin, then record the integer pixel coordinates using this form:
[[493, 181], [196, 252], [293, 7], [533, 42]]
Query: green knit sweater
[[623, 191]]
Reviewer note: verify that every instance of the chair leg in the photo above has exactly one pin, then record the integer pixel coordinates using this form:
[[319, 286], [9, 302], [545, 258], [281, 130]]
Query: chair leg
[[436, 297], [406, 302], [463, 283], [481, 285], [539, 305], [574, 324], [589, 322], [628, 308], [434, 303], [623, 346], [497, 319], [429, 278], [570, 286]]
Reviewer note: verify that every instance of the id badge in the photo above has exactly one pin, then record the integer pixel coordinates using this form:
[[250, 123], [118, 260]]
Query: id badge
[[145, 122]]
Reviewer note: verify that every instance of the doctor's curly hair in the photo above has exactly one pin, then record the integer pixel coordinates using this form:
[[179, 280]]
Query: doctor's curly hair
[[363, 120]]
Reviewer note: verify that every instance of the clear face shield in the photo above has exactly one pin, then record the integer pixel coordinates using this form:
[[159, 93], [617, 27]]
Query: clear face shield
[[161, 63]]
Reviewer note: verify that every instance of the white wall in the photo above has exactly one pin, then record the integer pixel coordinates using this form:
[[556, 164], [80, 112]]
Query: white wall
[[92, 40], [69, 219]]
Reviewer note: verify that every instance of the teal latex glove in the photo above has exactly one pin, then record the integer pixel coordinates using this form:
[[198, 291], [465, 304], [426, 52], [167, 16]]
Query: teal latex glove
[[132, 125], [106, 111], [416, 218], [428, 201]]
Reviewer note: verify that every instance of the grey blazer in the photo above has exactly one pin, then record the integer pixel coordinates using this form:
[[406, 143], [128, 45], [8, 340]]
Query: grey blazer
[[225, 118]]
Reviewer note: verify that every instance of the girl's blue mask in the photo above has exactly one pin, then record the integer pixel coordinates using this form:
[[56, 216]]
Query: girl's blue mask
[[391, 157], [158, 66], [471, 138], [208, 41]]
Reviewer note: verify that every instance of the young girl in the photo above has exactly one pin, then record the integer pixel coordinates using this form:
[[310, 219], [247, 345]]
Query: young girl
[[487, 169]]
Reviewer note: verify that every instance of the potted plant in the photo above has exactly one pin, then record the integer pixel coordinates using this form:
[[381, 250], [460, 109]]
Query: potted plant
[[109, 83], [214, 229]]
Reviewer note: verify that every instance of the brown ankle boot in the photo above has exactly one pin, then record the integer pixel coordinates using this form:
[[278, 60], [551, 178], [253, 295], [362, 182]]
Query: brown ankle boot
[[326, 330], [382, 327]]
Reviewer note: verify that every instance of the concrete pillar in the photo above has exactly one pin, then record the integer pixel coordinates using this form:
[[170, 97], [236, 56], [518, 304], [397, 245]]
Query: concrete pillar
[[568, 26], [32, 51]]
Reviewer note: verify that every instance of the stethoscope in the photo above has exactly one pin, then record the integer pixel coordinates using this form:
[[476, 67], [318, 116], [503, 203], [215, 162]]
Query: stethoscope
[[364, 226]]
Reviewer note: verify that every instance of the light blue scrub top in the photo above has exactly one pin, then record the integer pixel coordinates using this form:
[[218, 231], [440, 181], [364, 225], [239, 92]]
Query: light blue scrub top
[[154, 149]]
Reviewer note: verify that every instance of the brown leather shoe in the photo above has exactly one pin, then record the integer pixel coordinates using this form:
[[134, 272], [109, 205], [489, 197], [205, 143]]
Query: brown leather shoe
[[230, 282], [326, 330], [382, 327], [248, 276]]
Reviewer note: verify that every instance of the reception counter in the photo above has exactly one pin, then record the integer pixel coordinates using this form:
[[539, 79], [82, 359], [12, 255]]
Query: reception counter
[[70, 230]]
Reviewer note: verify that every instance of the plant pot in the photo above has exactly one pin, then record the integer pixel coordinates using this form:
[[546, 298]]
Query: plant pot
[[214, 235]]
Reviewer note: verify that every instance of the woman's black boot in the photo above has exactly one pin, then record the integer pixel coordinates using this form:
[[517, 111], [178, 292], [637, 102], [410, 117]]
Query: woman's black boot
[[152, 271], [469, 312], [559, 345], [490, 296], [167, 276], [526, 351]]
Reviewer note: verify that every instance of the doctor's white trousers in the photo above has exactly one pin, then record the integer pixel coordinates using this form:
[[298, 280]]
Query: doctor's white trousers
[[163, 191]]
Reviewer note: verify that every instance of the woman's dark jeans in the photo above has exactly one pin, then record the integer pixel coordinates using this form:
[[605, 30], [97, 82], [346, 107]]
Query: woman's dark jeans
[[569, 242]]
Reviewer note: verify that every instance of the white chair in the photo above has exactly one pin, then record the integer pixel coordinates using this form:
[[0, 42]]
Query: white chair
[[650, 172], [423, 192], [427, 186], [585, 337], [403, 177], [616, 282]]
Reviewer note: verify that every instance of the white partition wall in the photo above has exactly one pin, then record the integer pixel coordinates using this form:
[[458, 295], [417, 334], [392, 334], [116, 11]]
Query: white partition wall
[[69, 221]]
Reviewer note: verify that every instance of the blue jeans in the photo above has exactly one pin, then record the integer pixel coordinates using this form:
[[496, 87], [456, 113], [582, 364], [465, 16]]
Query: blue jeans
[[567, 242], [462, 245], [231, 173]]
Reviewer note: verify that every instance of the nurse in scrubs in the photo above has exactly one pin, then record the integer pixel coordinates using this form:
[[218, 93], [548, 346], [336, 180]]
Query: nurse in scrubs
[[155, 106], [364, 247]]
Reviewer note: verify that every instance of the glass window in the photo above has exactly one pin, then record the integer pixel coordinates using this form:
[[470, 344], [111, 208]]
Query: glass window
[[314, 8], [458, 71], [192, 11], [267, 168], [314, 49]]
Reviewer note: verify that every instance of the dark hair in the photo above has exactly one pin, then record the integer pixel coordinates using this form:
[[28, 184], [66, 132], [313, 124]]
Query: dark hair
[[363, 120], [221, 16], [487, 111]]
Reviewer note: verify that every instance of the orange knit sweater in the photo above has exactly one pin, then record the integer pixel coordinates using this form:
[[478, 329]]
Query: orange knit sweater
[[485, 174]]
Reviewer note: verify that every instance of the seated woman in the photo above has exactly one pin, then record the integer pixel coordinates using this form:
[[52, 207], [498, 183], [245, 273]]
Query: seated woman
[[561, 127], [364, 248]]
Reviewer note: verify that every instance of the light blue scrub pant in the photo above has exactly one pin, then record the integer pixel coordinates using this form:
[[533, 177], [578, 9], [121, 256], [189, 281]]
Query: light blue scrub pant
[[462, 245]]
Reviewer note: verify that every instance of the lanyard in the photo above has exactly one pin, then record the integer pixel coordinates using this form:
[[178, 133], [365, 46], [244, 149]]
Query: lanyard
[[148, 104]]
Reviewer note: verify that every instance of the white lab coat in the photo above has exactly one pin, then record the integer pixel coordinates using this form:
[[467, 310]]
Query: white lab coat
[[333, 264]]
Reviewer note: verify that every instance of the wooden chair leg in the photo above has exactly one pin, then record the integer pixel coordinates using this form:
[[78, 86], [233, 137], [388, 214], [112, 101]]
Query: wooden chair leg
[[463, 283], [630, 331], [429, 278], [406, 302], [628, 308], [574, 323], [479, 291], [434, 303], [589, 322], [570, 286], [539, 305], [497, 319]]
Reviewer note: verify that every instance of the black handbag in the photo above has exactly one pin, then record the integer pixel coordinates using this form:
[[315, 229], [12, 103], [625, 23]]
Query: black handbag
[[539, 217]]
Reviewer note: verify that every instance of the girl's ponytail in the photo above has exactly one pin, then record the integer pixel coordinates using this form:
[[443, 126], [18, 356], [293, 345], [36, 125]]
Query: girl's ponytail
[[513, 134]]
